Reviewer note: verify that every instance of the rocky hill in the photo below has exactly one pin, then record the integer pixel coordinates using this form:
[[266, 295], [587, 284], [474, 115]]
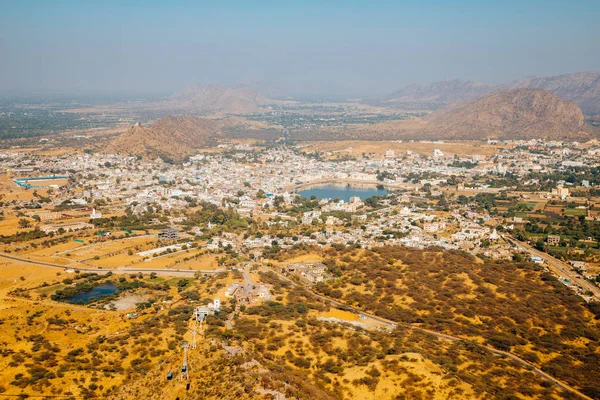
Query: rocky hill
[[513, 114], [240, 99], [435, 95], [582, 88], [171, 138]]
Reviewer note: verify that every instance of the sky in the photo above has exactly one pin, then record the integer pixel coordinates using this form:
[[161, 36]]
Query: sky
[[350, 48]]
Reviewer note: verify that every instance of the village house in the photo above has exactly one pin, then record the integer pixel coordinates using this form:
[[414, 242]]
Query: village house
[[432, 227], [311, 272], [553, 240], [168, 234], [201, 312], [578, 265]]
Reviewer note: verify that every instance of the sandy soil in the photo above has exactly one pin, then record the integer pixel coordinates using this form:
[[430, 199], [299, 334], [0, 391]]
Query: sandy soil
[[128, 301]]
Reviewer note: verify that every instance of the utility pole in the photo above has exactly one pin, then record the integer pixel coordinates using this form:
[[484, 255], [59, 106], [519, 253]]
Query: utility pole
[[185, 374], [194, 332]]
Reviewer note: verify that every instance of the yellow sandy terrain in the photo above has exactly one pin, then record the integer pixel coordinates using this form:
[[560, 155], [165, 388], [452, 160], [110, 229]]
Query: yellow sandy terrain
[[9, 226], [24, 318]]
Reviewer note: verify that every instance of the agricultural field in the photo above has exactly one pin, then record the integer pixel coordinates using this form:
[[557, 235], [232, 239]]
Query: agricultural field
[[576, 212]]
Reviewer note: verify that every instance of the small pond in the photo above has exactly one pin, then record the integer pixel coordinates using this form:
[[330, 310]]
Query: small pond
[[100, 290]]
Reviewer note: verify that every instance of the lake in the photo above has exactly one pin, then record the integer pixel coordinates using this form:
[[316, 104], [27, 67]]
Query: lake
[[98, 291], [343, 192]]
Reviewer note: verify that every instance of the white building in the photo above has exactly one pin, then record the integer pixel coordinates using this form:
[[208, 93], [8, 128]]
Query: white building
[[95, 214], [494, 236], [202, 312]]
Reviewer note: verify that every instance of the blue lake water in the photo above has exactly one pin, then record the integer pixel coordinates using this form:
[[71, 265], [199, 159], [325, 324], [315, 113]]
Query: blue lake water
[[343, 192], [100, 290]]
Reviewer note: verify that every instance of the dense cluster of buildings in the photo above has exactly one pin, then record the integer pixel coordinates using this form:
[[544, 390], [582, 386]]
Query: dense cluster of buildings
[[263, 183]]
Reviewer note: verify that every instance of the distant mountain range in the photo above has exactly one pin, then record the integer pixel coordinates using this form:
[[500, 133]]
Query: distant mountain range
[[239, 99], [510, 114], [525, 109], [435, 95], [582, 88]]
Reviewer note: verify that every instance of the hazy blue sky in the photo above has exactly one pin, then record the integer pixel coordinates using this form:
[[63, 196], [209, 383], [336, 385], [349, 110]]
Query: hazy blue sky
[[338, 47]]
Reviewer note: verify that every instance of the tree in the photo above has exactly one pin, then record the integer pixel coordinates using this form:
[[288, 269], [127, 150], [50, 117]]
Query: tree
[[24, 223], [539, 244]]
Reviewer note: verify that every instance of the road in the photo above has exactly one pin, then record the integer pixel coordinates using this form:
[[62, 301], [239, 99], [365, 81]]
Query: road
[[558, 267], [445, 336], [120, 270], [247, 278]]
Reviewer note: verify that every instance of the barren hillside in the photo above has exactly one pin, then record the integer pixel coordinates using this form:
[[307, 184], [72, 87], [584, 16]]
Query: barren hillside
[[169, 138], [514, 114]]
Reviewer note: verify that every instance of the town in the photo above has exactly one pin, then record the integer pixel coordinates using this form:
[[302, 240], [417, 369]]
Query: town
[[422, 200]]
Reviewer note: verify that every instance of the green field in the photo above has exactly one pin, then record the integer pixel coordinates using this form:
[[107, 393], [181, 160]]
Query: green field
[[576, 212], [526, 206], [51, 289]]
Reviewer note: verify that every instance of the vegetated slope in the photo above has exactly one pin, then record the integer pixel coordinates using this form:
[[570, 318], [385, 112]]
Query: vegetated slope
[[238, 99], [513, 114], [582, 88], [436, 95], [282, 347], [171, 138], [511, 305]]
